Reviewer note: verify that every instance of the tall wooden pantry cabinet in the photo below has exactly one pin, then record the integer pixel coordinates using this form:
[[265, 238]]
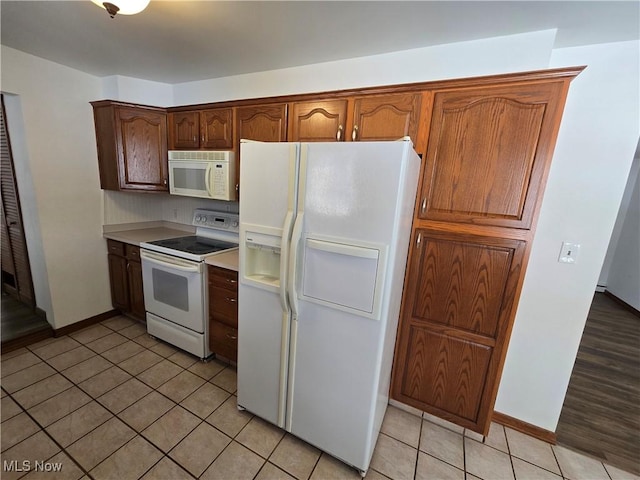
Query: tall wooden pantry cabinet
[[487, 157]]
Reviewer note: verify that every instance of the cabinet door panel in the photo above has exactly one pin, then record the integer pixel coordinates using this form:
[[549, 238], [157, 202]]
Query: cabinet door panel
[[461, 285], [223, 306], [216, 128], [445, 373], [136, 291], [184, 130], [487, 154], [387, 117], [322, 121], [119, 281], [223, 340], [143, 149], [265, 123], [223, 278], [459, 294]]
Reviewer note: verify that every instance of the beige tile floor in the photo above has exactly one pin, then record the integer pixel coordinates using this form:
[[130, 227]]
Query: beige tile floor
[[110, 402]]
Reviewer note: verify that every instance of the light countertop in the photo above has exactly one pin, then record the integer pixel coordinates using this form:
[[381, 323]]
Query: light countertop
[[135, 234], [227, 259]]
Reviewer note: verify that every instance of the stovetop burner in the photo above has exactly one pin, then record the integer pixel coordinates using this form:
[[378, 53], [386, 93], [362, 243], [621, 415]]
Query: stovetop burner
[[194, 244]]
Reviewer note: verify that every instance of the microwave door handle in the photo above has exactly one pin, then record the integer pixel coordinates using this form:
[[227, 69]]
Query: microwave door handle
[[207, 178]]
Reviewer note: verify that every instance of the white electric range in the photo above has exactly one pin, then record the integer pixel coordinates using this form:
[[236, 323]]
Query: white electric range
[[175, 288]]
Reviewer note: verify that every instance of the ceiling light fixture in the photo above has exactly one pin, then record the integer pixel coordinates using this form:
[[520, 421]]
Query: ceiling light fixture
[[124, 7]]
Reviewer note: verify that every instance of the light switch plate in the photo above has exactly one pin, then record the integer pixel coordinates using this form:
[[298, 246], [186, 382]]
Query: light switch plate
[[569, 252]]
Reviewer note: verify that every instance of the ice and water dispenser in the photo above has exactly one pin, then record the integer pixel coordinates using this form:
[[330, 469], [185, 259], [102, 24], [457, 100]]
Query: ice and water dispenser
[[262, 259]]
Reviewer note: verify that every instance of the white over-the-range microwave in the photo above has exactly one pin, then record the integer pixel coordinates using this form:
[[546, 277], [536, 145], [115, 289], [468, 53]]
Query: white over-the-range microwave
[[204, 174]]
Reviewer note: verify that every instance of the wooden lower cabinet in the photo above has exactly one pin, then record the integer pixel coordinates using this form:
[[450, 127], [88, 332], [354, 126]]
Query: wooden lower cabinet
[[136, 292], [223, 312], [119, 282], [125, 276], [458, 302]]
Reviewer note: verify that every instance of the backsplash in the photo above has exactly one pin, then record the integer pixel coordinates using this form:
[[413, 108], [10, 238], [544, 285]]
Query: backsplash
[[126, 207]]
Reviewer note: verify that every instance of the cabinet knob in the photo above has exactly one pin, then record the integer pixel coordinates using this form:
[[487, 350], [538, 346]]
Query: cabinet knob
[[354, 133], [232, 300], [232, 337], [339, 134], [164, 182]]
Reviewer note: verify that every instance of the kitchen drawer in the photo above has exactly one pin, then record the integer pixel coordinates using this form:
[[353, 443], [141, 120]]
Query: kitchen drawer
[[115, 248], [223, 340], [132, 252], [223, 305], [224, 278]]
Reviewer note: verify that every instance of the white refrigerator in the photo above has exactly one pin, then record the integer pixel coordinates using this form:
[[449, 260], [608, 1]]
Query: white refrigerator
[[324, 235]]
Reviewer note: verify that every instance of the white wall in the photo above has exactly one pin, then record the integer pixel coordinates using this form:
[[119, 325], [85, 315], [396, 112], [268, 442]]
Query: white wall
[[135, 90], [593, 155], [63, 193], [624, 275], [617, 228], [528, 51]]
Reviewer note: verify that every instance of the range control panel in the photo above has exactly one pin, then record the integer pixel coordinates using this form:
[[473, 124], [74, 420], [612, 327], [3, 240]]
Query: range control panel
[[213, 219]]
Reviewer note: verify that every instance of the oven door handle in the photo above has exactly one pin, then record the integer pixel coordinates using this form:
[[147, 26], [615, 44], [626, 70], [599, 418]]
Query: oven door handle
[[170, 262]]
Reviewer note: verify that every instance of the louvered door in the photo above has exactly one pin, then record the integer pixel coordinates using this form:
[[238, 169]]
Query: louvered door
[[16, 272]]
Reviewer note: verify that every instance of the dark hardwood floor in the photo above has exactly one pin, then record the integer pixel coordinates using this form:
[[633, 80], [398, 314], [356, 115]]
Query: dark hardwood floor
[[601, 412], [20, 322]]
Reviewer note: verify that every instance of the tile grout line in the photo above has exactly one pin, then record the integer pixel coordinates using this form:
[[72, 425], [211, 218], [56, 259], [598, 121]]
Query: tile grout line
[[415, 468], [464, 454], [506, 440]]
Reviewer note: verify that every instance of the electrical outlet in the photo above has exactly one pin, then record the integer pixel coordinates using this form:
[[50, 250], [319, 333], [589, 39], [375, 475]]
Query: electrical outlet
[[175, 213], [569, 252]]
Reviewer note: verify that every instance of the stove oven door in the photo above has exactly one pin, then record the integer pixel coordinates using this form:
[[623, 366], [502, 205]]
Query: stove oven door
[[174, 289]]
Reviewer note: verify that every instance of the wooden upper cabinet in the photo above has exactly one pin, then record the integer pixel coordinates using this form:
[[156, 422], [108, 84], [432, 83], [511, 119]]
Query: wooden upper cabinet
[[386, 117], [142, 137], [210, 129], [318, 121], [184, 130], [457, 306], [132, 146], [265, 123], [488, 153], [216, 128]]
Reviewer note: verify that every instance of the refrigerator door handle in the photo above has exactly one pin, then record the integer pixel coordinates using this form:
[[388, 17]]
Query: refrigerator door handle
[[284, 259], [293, 264], [296, 236]]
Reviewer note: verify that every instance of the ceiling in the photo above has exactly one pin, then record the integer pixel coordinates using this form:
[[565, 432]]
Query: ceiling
[[179, 41]]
